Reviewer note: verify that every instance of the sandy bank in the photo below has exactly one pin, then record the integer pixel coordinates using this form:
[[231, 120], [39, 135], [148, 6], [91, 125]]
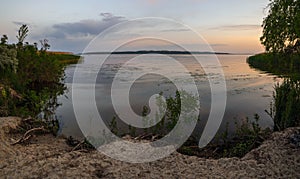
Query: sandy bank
[[49, 157]]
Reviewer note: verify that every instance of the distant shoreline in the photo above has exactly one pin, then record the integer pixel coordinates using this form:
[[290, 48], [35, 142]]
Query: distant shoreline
[[162, 52]]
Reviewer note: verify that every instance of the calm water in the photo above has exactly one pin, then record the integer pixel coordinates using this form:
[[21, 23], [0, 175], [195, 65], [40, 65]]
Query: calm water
[[249, 91]]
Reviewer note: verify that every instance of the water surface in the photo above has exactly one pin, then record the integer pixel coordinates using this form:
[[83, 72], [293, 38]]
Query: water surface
[[249, 91]]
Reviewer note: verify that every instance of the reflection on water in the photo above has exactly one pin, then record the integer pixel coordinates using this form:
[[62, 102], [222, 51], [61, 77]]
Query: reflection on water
[[248, 91]]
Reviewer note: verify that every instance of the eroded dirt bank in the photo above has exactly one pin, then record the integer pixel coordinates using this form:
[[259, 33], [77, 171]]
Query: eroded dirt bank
[[50, 157]]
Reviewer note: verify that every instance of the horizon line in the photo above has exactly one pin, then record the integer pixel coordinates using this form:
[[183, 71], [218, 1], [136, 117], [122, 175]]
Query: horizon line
[[163, 52]]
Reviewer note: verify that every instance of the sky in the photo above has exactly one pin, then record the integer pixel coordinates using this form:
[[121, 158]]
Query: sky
[[226, 25]]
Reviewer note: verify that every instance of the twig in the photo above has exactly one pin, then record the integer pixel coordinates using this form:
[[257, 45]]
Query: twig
[[194, 146], [28, 119], [28, 135], [143, 136], [78, 145], [154, 137], [215, 150]]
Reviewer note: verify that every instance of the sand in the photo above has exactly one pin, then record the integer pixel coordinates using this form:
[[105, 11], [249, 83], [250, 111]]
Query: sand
[[46, 156]]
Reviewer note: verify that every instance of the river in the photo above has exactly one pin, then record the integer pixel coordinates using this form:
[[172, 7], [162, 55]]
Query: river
[[249, 91]]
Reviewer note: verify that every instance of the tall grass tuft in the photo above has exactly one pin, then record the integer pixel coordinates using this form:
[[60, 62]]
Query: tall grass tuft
[[287, 104]]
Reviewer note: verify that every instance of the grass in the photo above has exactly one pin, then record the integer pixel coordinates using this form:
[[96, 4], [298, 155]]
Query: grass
[[285, 108], [247, 136], [67, 59]]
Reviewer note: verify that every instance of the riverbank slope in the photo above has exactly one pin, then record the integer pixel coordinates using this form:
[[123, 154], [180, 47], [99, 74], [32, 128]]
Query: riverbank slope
[[49, 157]]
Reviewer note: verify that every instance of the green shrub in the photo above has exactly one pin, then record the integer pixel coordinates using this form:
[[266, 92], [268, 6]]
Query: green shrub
[[30, 79], [248, 136], [285, 109], [287, 104], [8, 59]]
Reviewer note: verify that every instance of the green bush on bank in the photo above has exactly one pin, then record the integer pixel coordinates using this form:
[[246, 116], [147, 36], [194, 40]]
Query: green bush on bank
[[287, 104], [285, 110], [30, 78], [247, 136]]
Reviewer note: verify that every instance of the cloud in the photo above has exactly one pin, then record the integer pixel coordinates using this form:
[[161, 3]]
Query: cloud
[[175, 30], [74, 36], [18, 23], [87, 27], [218, 45], [237, 27], [112, 18]]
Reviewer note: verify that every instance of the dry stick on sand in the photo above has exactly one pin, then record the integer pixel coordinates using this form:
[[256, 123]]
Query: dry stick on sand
[[28, 135], [28, 119], [78, 145]]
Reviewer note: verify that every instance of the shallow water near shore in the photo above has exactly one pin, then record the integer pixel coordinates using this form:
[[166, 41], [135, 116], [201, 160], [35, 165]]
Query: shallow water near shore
[[249, 91]]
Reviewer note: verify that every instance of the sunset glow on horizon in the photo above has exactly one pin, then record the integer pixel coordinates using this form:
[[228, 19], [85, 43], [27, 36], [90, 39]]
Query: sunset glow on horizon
[[228, 26]]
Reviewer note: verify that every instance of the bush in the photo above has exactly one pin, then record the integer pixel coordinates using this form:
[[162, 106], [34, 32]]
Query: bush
[[287, 104], [31, 79], [173, 109], [285, 110], [248, 135]]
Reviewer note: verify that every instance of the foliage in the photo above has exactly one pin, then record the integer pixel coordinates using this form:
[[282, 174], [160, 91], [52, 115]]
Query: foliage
[[285, 109], [4, 39], [8, 59], [279, 64], [45, 45], [30, 78], [66, 59], [132, 130], [248, 135], [281, 35], [22, 34], [113, 126], [287, 105], [31, 123], [170, 110], [281, 28], [6, 101]]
